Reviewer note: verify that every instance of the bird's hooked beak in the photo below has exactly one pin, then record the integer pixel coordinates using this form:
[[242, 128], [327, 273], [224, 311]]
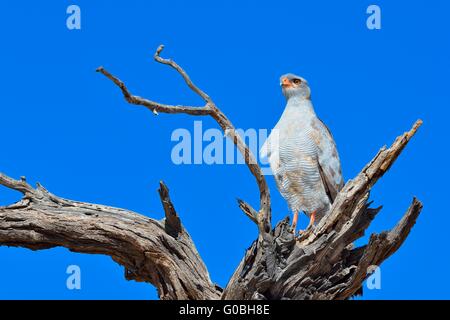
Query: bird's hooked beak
[[285, 83]]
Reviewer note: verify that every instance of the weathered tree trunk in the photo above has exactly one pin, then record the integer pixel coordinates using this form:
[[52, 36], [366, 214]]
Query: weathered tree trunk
[[321, 264], [159, 252]]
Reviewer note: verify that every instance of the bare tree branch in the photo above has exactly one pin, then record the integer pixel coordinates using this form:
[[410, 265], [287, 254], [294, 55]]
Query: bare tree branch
[[142, 245], [18, 185], [358, 189], [248, 210], [153, 106], [172, 221], [321, 264], [263, 218], [379, 248], [183, 73]]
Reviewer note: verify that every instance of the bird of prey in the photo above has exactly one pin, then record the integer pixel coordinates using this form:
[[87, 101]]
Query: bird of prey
[[303, 155]]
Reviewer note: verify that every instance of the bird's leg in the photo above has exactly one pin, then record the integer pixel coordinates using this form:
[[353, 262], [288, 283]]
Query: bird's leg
[[294, 222], [312, 219]]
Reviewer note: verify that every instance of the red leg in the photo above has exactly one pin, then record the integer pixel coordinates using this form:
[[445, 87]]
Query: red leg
[[312, 219], [294, 222]]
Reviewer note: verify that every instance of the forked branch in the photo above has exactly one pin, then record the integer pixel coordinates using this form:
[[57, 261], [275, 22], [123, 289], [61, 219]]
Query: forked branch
[[159, 252], [322, 264], [262, 217]]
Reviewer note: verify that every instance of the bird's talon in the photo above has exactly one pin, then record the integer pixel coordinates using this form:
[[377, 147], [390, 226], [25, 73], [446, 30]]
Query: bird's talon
[[299, 235]]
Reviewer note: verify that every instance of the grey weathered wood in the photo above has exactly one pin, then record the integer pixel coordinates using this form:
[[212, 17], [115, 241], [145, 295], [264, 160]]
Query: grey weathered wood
[[144, 246], [263, 218], [172, 221], [320, 264]]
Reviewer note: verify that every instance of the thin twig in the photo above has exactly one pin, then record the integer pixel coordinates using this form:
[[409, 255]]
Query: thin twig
[[183, 73], [155, 107], [18, 185], [263, 216]]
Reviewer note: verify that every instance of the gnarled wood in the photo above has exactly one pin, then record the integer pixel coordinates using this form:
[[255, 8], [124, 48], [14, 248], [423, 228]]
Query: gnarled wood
[[150, 250], [263, 218], [320, 264]]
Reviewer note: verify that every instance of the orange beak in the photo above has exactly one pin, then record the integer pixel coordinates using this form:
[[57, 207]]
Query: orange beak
[[285, 83]]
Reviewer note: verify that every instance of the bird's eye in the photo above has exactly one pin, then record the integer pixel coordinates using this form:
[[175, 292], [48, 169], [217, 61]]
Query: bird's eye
[[297, 81]]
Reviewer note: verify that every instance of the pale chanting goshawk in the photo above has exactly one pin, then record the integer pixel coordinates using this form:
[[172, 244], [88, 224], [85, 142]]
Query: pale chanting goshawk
[[303, 155]]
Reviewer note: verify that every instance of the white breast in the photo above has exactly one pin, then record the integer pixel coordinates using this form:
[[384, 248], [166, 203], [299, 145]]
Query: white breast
[[292, 154]]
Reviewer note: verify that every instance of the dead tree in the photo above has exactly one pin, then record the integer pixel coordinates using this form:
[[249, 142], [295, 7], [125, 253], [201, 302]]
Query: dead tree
[[321, 264]]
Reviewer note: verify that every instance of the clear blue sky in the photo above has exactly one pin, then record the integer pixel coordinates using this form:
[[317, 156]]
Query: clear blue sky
[[69, 128]]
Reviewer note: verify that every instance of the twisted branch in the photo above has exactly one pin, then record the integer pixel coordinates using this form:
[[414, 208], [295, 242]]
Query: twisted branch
[[321, 264], [262, 217], [159, 252]]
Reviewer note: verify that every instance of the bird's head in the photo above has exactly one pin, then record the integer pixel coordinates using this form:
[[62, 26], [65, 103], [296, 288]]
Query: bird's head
[[294, 86]]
